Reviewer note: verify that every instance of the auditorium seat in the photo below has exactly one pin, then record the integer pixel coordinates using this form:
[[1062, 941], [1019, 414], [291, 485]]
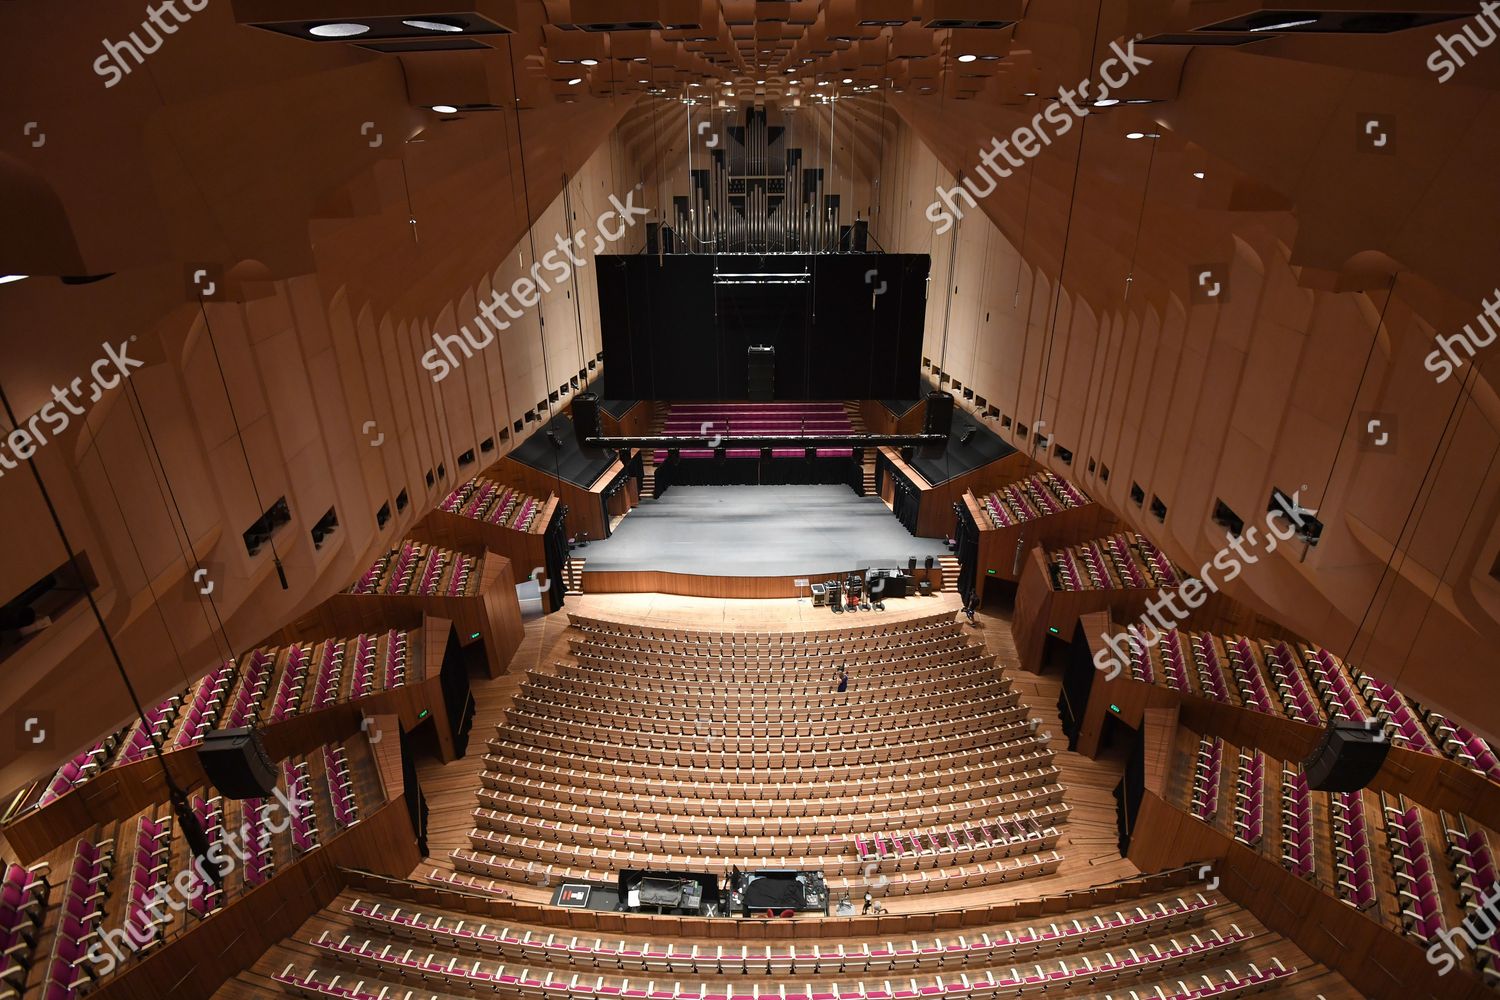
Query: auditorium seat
[[709, 419], [421, 570], [1120, 561], [1038, 495]]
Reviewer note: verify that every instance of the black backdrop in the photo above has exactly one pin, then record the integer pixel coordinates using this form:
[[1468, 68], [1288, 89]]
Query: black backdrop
[[677, 326]]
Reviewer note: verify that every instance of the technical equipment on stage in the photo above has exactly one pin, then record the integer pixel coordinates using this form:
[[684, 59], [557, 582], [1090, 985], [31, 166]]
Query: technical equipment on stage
[[682, 893], [1349, 757], [237, 764], [911, 564], [780, 891], [924, 587], [762, 378], [820, 595], [835, 596], [929, 562], [885, 583]]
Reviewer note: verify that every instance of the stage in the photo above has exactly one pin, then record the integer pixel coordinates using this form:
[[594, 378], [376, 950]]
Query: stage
[[742, 534]]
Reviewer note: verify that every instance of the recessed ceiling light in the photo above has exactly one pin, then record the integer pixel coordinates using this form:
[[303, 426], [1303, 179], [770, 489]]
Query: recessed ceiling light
[[1108, 102], [1198, 174], [433, 25], [759, 82], [339, 29], [967, 57], [575, 81], [1143, 135], [824, 83], [1287, 25], [848, 79], [1139, 100], [445, 109], [6, 279], [588, 62]]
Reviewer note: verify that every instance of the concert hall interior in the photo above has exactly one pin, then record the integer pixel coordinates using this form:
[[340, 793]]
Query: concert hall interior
[[749, 499]]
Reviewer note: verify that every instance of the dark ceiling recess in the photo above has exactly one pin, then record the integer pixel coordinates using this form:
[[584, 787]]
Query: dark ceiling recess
[[1353, 22], [423, 28]]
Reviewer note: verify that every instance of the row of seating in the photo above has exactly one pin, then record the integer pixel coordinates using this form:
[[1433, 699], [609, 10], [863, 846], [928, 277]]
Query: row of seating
[[1248, 981], [1120, 561], [700, 419], [420, 570], [484, 499], [1472, 863], [630, 634], [23, 908], [1095, 930], [79, 917], [1411, 864], [1250, 798], [669, 810], [1039, 495], [1206, 772], [1311, 686], [341, 794], [926, 767]]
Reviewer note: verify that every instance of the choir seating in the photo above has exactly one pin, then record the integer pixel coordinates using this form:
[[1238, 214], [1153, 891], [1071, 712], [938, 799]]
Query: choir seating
[[708, 419], [1039, 495], [485, 499]]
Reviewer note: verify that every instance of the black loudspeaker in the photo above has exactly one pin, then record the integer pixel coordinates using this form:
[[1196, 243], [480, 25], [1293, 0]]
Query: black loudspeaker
[[911, 564], [861, 237], [585, 418], [1349, 757], [653, 238], [236, 764], [929, 562], [939, 420]]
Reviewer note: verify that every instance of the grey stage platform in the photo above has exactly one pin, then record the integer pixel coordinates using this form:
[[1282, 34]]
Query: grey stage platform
[[758, 531]]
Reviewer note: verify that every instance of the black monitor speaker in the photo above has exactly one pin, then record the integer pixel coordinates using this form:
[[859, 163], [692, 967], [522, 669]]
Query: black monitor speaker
[[1349, 757], [911, 564], [938, 420], [236, 763], [861, 237], [929, 562], [585, 417]]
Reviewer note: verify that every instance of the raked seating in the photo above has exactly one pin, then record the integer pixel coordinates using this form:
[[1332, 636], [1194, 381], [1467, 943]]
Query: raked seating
[[700, 419]]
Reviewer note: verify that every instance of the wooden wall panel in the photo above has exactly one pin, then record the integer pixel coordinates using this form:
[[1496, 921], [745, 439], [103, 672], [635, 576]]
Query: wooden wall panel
[[690, 585]]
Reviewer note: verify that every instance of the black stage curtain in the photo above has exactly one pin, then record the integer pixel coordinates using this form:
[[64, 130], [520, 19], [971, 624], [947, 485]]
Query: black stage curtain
[[1131, 788], [1077, 683], [555, 546], [908, 499], [756, 472], [966, 534], [457, 697]]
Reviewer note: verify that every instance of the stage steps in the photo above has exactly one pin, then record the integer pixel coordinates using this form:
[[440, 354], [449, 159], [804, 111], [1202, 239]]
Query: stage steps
[[648, 455], [573, 576], [949, 565]]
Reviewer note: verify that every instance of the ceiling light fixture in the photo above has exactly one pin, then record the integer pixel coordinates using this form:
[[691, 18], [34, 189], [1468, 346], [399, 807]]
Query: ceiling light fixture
[[445, 109], [339, 29], [588, 62], [575, 81], [6, 279], [1198, 174], [1143, 135], [432, 25], [1107, 102], [1029, 93], [848, 79], [967, 57]]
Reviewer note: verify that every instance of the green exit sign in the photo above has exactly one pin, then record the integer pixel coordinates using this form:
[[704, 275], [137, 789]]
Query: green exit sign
[[474, 636], [1115, 709], [990, 572], [1053, 631], [423, 714]]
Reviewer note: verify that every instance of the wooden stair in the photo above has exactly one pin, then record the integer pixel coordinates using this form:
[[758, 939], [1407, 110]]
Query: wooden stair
[[648, 455], [857, 421], [573, 576], [949, 566]]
